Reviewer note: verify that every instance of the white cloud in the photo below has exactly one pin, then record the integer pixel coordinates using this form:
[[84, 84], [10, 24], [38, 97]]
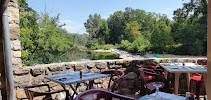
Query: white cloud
[[73, 27]]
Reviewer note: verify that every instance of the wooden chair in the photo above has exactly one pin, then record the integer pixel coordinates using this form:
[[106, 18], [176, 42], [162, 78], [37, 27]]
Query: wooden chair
[[98, 94], [31, 94], [115, 87]]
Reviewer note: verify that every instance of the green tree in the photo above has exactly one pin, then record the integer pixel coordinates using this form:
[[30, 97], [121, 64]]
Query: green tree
[[93, 25], [139, 45], [42, 38], [132, 31], [103, 36], [116, 24], [161, 36], [191, 20]]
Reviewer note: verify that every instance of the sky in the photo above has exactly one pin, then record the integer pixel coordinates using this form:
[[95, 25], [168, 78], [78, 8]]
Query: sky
[[75, 12]]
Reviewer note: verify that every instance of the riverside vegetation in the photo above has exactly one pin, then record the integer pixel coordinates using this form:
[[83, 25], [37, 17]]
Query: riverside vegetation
[[43, 40]]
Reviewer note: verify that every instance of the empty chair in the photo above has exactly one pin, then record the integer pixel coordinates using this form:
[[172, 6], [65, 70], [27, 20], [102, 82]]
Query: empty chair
[[32, 94], [198, 79], [98, 94], [159, 71], [148, 77], [115, 87]]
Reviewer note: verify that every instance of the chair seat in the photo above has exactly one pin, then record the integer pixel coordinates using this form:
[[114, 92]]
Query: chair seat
[[146, 78]]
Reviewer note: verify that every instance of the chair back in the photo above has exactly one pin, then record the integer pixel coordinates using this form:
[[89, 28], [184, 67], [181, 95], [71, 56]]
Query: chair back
[[31, 94], [116, 83], [97, 94], [146, 66]]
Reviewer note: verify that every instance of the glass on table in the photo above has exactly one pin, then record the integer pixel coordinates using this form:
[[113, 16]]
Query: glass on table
[[86, 68], [157, 85], [64, 70], [196, 60], [169, 61]]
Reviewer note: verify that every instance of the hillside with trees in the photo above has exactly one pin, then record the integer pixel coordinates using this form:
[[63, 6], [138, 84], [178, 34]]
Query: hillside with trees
[[43, 40], [137, 31]]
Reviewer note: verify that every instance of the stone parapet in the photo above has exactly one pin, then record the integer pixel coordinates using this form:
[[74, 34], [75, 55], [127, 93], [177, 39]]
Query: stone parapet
[[130, 83]]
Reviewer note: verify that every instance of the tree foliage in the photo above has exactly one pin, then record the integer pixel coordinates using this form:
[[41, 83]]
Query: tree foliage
[[190, 28], [42, 37]]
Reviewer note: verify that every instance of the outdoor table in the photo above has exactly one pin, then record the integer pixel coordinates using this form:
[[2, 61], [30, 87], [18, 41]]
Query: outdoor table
[[165, 96], [178, 68], [74, 77]]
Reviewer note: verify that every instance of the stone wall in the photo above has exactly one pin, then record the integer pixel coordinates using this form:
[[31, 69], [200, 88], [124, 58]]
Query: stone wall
[[130, 83], [13, 14]]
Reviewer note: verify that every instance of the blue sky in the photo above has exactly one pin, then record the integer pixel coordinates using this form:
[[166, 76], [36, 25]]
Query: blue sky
[[75, 12]]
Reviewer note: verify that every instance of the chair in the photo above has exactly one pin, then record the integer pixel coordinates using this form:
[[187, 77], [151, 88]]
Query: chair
[[146, 66], [198, 79], [159, 71], [98, 94], [31, 94], [148, 77], [115, 87]]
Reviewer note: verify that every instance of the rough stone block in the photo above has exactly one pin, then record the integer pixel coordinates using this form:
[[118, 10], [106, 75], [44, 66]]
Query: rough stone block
[[54, 68], [130, 75], [14, 32], [21, 71], [95, 70], [127, 63], [21, 80], [37, 80], [101, 65], [90, 65], [16, 54], [20, 94], [16, 62], [37, 71], [115, 66], [70, 66], [13, 4], [56, 88], [13, 12], [82, 88], [79, 66], [16, 45], [105, 84], [13, 21], [119, 62], [111, 62], [98, 81]]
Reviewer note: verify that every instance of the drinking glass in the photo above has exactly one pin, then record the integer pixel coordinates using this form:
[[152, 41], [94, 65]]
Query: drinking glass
[[196, 60], [64, 71], [157, 85], [169, 61], [86, 68]]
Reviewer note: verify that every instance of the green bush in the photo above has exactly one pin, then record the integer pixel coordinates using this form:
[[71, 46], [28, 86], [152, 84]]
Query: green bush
[[124, 44], [82, 47], [104, 47], [103, 55], [139, 45]]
